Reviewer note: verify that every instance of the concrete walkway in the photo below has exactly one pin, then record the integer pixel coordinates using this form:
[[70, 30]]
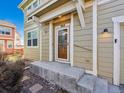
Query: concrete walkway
[[72, 79], [34, 84]]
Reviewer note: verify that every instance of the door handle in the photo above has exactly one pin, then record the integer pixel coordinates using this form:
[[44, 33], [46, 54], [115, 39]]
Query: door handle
[[116, 40]]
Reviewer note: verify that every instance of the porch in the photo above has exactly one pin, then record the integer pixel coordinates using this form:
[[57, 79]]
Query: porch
[[72, 79]]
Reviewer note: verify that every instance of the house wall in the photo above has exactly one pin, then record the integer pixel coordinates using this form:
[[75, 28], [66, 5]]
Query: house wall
[[83, 42], [122, 55], [30, 52], [7, 38], [45, 42], [105, 43]]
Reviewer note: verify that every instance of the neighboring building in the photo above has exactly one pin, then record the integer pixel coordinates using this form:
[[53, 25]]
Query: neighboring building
[[10, 39], [87, 34], [7, 36], [18, 43]]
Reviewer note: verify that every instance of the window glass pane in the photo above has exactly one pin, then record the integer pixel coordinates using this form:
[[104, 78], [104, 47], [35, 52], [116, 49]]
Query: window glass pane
[[34, 35], [29, 42], [34, 42], [29, 8], [3, 32], [10, 44], [35, 4], [7, 33], [29, 35]]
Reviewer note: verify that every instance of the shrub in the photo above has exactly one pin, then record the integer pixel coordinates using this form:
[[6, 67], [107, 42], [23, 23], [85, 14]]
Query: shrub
[[10, 77], [3, 56]]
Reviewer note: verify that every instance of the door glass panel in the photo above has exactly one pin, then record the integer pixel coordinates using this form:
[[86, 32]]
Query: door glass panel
[[62, 44]]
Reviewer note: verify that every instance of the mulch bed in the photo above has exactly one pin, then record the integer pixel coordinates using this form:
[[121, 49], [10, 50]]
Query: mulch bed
[[34, 79]]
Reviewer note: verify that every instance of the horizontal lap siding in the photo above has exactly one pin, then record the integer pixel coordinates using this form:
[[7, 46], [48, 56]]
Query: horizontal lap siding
[[45, 42], [105, 44], [122, 55], [83, 43], [31, 53]]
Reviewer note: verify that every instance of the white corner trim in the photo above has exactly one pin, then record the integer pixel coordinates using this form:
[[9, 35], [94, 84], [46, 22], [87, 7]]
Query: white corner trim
[[95, 37], [116, 73], [40, 29], [72, 40], [50, 41]]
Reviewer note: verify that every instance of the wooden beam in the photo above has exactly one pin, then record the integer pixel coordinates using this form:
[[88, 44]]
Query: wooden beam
[[81, 2], [95, 37], [72, 40], [80, 14]]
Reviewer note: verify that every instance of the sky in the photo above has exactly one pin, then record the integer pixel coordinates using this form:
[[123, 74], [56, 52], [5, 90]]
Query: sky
[[10, 12]]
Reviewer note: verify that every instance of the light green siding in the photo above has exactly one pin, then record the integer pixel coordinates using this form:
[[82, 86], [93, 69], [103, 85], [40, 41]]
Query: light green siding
[[45, 42], [31, 53], [122, 55], [83, 43], [105, 44]]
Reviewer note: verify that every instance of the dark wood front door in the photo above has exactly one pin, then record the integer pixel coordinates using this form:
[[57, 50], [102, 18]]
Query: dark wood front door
[[62, 43]]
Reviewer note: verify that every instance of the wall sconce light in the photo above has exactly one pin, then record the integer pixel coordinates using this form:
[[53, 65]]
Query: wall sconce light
[[60, 16], [105, 31]]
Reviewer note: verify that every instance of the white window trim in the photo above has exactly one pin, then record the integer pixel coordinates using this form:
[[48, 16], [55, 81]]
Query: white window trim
[[57, 28], [32, 8], [34, 30], [5, 31], [116, 73]]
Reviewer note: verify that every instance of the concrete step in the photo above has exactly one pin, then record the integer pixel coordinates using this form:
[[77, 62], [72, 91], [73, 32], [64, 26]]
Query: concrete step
[[61, 74], [113, 89], [101, 86], [86, 84]]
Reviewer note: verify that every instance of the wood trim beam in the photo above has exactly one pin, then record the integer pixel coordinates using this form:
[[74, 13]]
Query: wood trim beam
[[95, 37], [80, 14], [72, 40]]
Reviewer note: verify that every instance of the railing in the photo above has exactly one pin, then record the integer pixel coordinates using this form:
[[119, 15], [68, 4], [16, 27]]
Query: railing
[[41, 3]]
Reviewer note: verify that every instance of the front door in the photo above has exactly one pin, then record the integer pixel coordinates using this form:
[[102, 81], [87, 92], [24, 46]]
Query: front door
[[62, 44]]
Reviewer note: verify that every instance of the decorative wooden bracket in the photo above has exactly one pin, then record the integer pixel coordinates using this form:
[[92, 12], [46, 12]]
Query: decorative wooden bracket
[[79, 6]]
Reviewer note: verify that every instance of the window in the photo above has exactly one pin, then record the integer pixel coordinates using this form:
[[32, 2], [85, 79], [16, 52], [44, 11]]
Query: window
[[32, 39], [29, 8], [30, 19], [10, 44], [35, 4], [5, 31]]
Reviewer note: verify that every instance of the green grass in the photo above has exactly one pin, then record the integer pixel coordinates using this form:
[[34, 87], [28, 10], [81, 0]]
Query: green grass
[[13, 57]]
